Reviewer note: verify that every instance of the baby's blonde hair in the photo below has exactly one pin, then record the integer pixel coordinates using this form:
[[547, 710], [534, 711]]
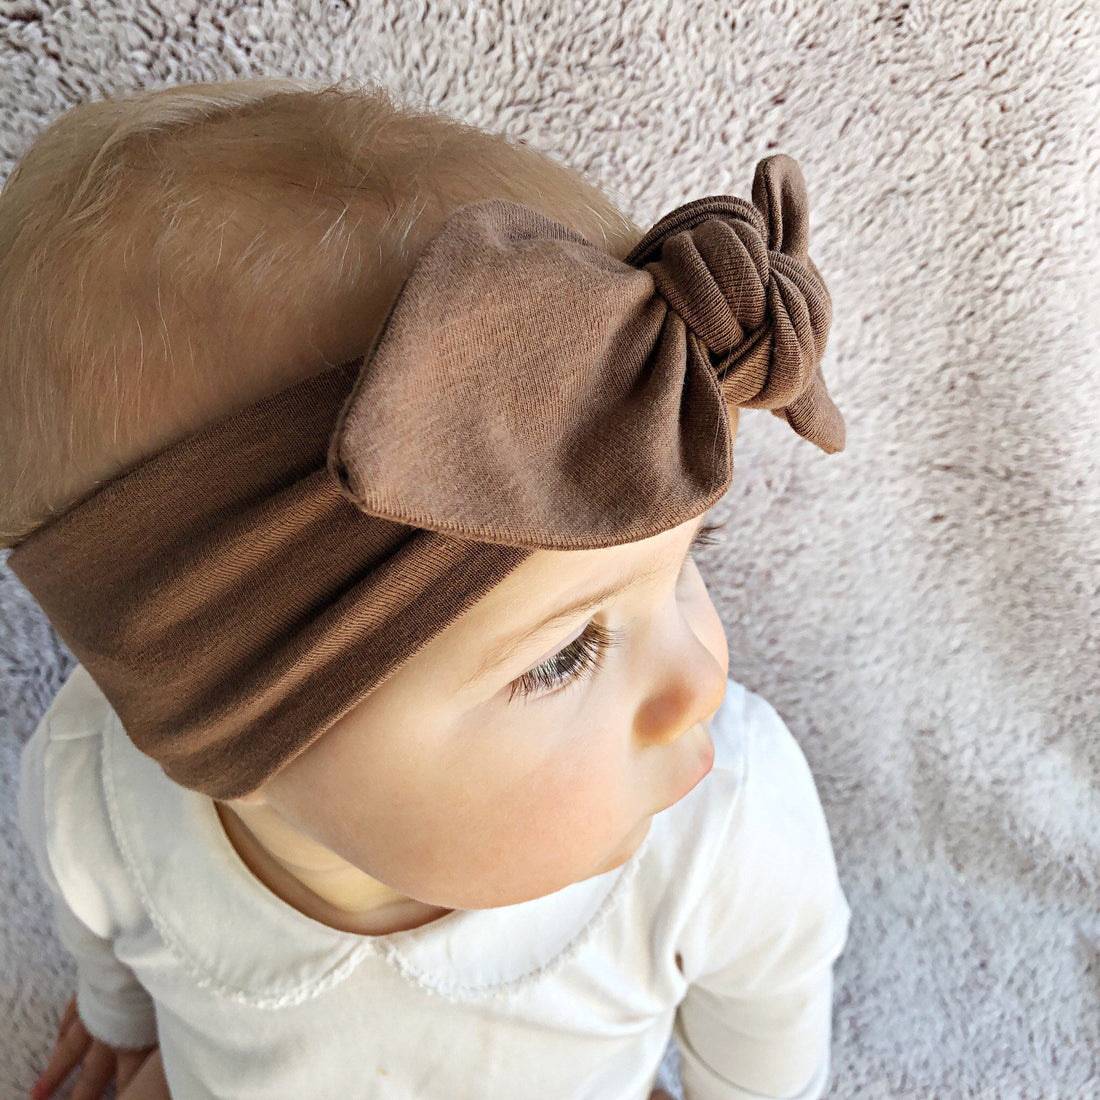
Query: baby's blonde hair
[[170, 257]]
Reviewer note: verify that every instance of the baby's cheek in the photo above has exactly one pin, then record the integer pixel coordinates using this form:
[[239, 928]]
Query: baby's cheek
[[565, 821], [585, 802]]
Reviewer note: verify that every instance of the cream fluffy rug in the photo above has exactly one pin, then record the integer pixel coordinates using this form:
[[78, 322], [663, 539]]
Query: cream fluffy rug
[[922, 609]]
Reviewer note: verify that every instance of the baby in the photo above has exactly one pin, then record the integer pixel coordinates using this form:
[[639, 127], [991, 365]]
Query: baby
[[519, 826]]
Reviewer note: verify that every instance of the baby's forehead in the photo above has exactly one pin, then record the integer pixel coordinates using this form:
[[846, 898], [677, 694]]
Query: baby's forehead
[[556, 576]]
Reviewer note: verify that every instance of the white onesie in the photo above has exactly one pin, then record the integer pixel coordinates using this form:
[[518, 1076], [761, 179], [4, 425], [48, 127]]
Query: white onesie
[[720, 930]]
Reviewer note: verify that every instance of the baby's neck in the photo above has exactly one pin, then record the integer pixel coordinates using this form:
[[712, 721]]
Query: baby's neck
[[329, 890]]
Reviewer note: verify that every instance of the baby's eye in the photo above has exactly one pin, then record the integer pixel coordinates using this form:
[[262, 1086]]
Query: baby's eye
[[705, 536], [585, 654], [581, 657]]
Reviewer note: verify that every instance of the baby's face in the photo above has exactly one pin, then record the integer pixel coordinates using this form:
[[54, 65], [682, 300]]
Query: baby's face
[[471, 788]]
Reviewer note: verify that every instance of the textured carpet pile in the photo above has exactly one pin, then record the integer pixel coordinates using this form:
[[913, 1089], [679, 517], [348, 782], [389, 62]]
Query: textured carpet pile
[[922, 609]]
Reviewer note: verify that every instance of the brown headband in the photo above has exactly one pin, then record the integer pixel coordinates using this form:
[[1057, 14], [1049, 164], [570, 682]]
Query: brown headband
[[240, 591]]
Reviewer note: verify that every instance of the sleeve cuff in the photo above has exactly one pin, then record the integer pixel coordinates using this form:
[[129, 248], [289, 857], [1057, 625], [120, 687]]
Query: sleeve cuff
[[701, 1083], [127, 1021]]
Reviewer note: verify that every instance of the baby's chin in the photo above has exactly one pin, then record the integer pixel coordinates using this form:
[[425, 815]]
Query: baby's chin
[[631, 843]]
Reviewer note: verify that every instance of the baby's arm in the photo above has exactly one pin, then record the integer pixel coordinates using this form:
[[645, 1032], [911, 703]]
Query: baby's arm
[[756, 1020], [99, 1063], [150, 1083], [111, 1002], [58, 778]]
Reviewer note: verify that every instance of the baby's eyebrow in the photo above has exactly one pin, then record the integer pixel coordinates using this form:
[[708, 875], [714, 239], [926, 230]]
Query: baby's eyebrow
[[578, 607]]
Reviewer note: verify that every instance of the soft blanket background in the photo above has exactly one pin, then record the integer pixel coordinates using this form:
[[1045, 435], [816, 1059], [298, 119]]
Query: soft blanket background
[[921, 608]]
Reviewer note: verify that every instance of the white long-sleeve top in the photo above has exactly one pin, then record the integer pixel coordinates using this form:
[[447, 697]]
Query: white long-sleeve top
[[721, 930]]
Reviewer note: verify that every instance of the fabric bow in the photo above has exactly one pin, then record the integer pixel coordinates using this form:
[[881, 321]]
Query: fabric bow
[[530, 389]]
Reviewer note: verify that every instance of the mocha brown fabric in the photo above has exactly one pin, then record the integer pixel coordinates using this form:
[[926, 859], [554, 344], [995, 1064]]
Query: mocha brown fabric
[[237, 593]]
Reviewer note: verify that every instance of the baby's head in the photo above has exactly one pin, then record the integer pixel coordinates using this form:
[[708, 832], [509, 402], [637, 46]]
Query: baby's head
[[168, 259], [443, 719]]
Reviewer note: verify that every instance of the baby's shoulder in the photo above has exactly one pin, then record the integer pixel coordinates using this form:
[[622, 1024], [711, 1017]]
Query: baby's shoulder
[[63, 808], [77, 712]]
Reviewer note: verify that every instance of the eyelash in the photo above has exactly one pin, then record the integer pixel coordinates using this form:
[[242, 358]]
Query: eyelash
[[585, 654]]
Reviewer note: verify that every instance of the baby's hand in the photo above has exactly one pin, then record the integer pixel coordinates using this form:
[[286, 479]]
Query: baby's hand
[[150, 1082], [102, 1063]]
